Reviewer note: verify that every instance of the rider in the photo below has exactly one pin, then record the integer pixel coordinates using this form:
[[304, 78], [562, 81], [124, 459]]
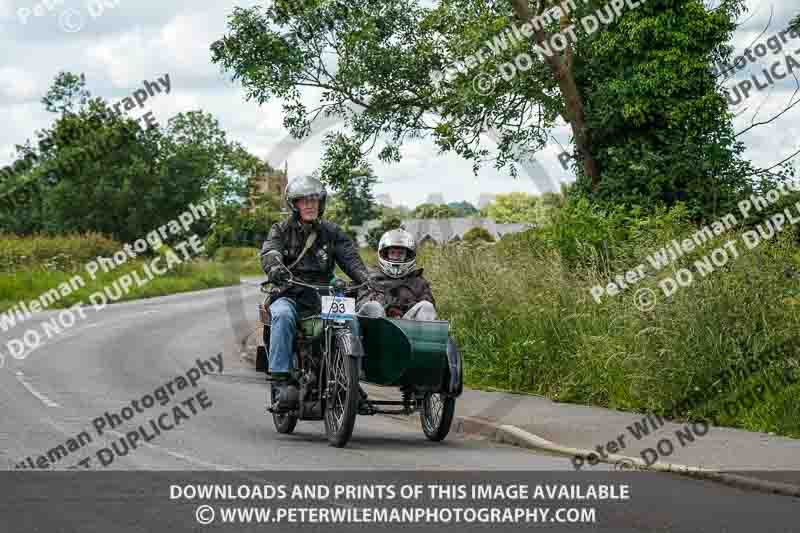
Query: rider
[[398, 290], [309, 247]]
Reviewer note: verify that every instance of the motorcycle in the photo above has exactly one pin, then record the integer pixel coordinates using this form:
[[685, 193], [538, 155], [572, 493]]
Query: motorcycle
[[419, 358]]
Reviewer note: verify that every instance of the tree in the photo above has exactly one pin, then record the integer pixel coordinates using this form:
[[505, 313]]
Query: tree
[[67, 93], [518, 207], [434, 211], [95, 170], [795, 24], [661, 127], [236, 226], [657, 117], [387, 223], [463, 209], [355, 203], [478, 233]]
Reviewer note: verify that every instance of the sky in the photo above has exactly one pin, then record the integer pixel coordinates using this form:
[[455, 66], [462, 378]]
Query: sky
[[120, 44]]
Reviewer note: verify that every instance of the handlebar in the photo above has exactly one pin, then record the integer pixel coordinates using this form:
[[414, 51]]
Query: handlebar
[[338, 285]]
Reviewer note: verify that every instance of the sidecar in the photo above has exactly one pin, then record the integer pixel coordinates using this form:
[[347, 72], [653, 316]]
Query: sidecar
[[422, 360], [411, 354]]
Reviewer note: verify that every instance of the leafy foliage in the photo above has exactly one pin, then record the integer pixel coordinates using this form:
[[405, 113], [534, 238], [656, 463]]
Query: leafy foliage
[[389, 222], [521, 207], [94, 170], [478, 234], [353, 202], [238, 227], [463, 209], [434, 211], [661, 129], [656, 126]]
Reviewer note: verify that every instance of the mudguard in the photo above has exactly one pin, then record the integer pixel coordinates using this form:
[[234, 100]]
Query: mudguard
[[406, 352], [456, 368]]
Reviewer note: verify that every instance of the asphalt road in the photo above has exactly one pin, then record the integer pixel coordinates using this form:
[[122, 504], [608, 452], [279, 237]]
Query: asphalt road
[[127, 351]]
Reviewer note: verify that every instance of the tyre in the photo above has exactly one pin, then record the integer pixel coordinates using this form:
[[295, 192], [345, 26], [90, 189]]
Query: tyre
[[437, 415], [341, 405], [284, 423]]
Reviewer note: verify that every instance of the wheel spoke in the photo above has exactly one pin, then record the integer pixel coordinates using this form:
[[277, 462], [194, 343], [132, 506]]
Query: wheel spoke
[[433, 407], [340, 386]]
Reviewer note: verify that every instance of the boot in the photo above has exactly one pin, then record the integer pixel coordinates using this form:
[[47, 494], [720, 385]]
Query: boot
[[285, 395]]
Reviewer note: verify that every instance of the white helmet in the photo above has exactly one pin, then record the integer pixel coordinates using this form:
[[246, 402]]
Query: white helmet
[[403, 239]]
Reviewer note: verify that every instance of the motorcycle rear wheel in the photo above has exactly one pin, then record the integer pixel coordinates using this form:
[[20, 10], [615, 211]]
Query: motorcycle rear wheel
[[341, 407], [284, 423]]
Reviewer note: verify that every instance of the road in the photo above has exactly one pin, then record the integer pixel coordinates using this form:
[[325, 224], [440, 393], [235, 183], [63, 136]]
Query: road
[[128, 350]]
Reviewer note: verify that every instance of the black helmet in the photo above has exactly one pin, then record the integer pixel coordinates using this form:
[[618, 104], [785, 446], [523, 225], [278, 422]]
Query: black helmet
[[306, 186]]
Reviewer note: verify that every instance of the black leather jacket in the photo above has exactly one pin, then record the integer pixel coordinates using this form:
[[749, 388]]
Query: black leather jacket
[[331, 247]]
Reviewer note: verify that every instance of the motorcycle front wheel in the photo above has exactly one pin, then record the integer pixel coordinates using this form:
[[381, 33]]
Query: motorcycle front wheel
[[341, 406]]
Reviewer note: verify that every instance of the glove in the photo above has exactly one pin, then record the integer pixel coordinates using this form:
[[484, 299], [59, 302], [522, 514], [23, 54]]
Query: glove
[[278, 275]]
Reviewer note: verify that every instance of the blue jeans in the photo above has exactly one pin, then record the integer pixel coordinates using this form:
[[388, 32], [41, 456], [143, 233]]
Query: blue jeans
[[281, 337]]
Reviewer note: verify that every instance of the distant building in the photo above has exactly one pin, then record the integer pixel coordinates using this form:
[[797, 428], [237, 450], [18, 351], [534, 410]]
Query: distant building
[[273, 183], [442, 230]]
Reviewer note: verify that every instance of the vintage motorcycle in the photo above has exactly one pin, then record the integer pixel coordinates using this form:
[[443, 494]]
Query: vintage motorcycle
[[419, 358]]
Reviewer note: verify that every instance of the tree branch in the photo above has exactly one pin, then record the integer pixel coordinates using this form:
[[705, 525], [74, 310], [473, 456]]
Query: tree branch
[[779, 114]]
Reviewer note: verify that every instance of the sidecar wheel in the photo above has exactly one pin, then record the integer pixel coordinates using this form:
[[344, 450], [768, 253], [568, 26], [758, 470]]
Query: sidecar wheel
[[341, 407], [284, 423], [437, 415]]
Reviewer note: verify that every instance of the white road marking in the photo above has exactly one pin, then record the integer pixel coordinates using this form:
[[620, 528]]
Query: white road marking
[[44, 399]]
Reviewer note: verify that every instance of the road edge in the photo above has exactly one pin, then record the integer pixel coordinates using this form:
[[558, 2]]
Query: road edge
[[508, 434]]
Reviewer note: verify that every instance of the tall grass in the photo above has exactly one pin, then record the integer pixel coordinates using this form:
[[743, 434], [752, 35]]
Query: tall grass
[[244, 260], [525, 319], [53, 253], [31, 266]]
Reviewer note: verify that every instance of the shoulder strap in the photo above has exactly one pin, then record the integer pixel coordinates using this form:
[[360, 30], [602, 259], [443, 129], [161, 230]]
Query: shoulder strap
[[309, 243]]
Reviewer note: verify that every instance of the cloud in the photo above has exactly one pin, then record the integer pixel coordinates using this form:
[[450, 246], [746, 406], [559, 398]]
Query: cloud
[[142, 40]]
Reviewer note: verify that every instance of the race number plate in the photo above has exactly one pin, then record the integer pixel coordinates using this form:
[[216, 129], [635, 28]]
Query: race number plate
[[338, 308]]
